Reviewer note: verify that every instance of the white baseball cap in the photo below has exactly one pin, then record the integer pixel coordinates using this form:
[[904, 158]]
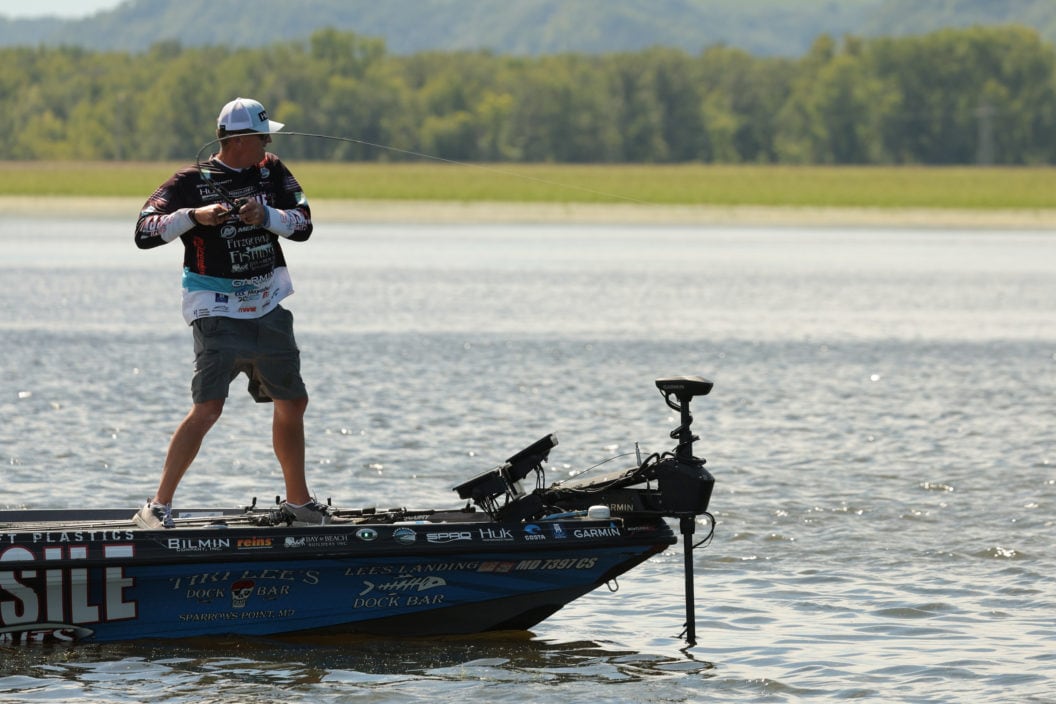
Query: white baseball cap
[[246, 114]]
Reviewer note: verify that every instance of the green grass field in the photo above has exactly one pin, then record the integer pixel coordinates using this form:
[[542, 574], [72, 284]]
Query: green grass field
[[812, 186]]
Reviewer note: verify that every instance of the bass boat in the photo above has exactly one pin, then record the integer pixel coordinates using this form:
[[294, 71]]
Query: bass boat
[[505, 560]]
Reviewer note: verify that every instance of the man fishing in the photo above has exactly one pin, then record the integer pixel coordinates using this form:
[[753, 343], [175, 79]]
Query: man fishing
[[231, 214]]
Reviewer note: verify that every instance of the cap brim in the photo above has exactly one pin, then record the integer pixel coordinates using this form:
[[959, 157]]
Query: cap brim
[[274, 126]]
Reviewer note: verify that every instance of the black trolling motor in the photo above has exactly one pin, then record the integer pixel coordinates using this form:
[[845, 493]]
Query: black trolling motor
[[689, 485]]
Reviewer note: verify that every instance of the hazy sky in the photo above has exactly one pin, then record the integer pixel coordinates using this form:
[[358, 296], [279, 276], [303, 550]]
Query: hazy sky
[[60, 8]]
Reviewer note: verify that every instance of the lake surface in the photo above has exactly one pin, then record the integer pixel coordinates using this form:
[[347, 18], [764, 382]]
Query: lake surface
[[881, 431]]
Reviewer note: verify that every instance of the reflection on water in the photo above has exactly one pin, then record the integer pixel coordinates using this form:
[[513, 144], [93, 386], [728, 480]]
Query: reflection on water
[[314, 666]]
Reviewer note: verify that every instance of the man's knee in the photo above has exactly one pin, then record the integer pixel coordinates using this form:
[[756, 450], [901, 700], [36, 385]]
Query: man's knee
[[291, 408], [206, 413]]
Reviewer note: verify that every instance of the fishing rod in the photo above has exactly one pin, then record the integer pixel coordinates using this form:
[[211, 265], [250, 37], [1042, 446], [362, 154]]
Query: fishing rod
[[207, 171]]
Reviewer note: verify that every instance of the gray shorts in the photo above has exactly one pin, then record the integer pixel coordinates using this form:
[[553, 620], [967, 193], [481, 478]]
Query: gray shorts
[[263, 348]]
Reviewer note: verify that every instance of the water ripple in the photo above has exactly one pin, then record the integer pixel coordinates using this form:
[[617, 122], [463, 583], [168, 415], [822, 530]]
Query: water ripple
[[881, 434]]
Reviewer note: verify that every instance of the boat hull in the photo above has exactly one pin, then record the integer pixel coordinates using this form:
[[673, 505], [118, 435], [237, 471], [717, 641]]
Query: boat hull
[[64, 581]]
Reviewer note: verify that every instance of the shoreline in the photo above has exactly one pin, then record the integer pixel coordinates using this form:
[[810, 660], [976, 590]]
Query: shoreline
[[449, 212]]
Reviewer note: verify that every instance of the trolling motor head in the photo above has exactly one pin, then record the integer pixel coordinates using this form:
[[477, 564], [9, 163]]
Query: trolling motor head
[[683, 388]]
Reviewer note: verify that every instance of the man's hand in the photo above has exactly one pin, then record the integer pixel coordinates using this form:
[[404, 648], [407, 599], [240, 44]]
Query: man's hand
[[253, 213], [212, 215]]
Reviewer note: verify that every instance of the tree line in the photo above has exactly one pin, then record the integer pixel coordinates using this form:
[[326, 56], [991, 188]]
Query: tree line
[[978, 95]]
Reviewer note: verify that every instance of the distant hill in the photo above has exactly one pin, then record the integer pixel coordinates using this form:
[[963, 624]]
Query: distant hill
[[527, 27]]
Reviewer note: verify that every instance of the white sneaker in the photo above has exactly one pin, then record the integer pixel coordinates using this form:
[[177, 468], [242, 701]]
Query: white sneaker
[[154, 516], [312, 513]]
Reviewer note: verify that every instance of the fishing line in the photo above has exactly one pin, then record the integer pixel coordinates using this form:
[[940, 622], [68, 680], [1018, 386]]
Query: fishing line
[[205, 170]]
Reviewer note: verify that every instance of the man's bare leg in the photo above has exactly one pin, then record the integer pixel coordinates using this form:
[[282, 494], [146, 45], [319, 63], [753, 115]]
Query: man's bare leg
[[287, 437], [184, 446]]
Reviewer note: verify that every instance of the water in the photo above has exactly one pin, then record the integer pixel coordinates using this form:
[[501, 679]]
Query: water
[[880, 429]]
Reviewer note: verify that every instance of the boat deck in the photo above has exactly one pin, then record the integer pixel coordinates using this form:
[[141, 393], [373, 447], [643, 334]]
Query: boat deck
[[23, 520]]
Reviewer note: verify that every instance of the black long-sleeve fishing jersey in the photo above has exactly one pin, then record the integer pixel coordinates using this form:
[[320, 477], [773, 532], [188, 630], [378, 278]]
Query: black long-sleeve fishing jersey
[[233, 269]]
